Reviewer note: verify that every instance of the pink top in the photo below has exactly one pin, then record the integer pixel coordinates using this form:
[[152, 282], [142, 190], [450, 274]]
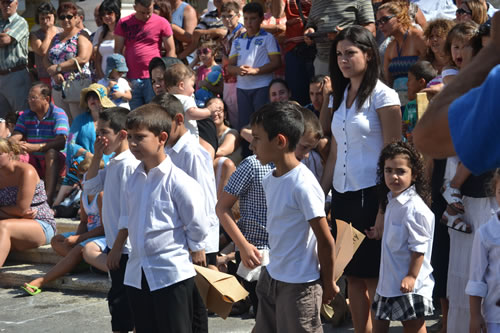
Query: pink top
[[142, 42], [202, 73]]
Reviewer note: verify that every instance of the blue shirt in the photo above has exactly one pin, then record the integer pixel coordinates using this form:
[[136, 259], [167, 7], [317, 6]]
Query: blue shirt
[[474, 121]]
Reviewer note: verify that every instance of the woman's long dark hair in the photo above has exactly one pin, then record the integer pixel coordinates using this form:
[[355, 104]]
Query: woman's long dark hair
[[416, 164], [106, 7], [364, 40]]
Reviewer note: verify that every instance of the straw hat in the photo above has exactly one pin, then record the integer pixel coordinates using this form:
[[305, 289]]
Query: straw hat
[[101, 92]]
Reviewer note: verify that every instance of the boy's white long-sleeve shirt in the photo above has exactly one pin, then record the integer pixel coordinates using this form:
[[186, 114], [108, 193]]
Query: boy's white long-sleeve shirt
[[165, 221], [112, 180], [484, 276], [188, 155]]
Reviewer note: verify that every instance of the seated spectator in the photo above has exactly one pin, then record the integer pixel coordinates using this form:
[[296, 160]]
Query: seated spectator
[[419, 75], [40, 39], [157, 68], [228, 153], [59, 61], [26, 220], [41, 132], [71, 245], [7, 125], [472, 10], [278, 91], [82, 136], [406, 48], [117, 86], [316, 86]]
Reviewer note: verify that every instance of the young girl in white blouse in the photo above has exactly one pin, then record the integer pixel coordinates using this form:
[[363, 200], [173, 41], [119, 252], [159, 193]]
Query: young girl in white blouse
[[404, 290], [484, 279], [366, 116]]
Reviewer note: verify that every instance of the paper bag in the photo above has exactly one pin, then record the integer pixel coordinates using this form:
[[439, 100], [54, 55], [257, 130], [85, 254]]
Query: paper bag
[[218, 290], [422, 103]]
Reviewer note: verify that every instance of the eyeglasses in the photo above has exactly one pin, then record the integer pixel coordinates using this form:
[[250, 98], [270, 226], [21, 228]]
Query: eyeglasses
[[33, 98], [205, 51], [383, 20], [461, 11], [64, 17], [226, 17]]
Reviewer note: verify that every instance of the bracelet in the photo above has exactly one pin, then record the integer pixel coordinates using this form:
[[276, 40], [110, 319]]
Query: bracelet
[[42, 145]]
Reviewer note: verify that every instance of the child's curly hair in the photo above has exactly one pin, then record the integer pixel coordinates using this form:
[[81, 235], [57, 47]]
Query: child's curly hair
[[415, 163]]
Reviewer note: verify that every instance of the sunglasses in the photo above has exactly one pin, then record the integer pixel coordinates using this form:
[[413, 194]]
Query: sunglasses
[[461, 11], [63, 17], [383, 20], [205, 51]]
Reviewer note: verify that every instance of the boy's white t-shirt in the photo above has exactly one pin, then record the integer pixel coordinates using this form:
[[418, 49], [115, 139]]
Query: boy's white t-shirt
[[292, 201], [187, 103], [123, 86]]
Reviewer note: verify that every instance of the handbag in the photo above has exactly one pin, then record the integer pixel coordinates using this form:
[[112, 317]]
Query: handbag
[[302, 50], [73, 84]]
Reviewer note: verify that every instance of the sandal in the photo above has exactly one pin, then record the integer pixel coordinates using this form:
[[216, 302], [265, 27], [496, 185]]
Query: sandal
[[30, 289], [455, 222], [453, 197]]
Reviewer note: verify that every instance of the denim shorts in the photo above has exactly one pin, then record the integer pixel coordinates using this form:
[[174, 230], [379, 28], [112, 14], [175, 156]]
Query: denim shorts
[[100, 240], [47, 230]]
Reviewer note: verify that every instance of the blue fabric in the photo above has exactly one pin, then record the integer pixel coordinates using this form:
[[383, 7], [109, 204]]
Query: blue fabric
[[249, 101], [178, 15], [474, 121], [142, 92], [48, 231]]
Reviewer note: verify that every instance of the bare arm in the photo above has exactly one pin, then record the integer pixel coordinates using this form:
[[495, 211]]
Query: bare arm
[[477, 322], [277, 8], [228, 146], [190, 20], [326, 256], [408, 282], [27, 184], [420, 19], [387, 61], [326, 178], [325, 114], [119, 44], [168, 43], [40, 47], [431, 135], [371, 28]]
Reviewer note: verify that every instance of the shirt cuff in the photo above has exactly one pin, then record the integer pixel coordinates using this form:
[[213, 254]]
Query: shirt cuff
[[123, 222], [92, 186], [419, 248], [195, 246], [476, 288]]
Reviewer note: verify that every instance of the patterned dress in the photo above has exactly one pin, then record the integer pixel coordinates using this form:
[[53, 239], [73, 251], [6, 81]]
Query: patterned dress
[[61, 51], [8, 197]]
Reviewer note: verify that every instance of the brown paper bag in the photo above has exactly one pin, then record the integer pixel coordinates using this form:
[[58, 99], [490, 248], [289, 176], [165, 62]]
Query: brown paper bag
[[218, 290]]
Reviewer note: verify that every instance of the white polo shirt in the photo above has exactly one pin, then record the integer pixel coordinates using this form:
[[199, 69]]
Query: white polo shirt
[[408, 227], [254, 52], [165, 222], [189, 156], [359, 138]]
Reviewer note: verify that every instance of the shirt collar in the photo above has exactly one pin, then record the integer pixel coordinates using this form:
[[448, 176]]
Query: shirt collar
[[182, 142], [10, 18], [404, 197], [164, 167], [124, 155], [48, 114], [260, 32], [238, 27]]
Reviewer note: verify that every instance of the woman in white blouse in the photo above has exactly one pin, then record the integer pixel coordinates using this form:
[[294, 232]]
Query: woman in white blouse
[[366, 116]]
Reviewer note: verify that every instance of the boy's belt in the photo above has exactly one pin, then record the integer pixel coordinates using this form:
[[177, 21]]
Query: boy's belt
[[12, 70]]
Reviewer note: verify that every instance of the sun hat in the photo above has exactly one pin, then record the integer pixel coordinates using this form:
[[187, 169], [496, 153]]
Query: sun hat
[[101, 92], [116, 61]]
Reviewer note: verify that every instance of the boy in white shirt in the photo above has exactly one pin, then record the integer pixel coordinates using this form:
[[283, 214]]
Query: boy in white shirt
[[112, 138], [165, 223], [289, 287], [179, 81]]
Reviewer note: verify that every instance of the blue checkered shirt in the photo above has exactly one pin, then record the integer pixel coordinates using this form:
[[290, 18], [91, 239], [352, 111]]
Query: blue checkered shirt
[[246, 184]]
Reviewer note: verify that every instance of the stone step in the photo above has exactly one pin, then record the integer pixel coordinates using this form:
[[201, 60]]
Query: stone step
[[42, 255], [15, 275], [66, 225]]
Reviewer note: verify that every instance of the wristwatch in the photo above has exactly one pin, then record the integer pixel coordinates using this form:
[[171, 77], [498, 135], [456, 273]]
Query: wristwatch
[[58, 69]]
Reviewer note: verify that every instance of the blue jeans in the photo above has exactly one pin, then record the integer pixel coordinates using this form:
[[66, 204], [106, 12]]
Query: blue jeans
[[249, 101], [142, 92], [298, 74]]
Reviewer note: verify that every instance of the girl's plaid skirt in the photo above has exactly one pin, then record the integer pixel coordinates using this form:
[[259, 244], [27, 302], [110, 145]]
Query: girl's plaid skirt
[[402, 308]]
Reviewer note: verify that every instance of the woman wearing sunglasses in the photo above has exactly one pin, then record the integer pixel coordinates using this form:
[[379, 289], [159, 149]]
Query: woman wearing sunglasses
[[407, 46], [472, 10], [59, 61]]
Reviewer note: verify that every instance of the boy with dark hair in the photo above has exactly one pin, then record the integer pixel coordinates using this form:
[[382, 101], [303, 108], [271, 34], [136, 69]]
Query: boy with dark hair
[[166, 223], [419, 75], [254, 57], [112, 138], [296, 225]]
